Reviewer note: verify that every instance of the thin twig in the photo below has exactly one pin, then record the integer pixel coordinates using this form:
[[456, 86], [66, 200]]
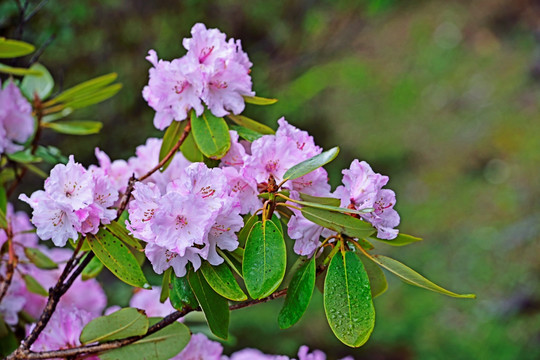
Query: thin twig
[[11, 265], [41, 49]]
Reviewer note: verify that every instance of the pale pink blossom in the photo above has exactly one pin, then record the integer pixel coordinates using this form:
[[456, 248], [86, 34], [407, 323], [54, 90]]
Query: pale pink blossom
[[199, 348], [148, 300], [16, 121]]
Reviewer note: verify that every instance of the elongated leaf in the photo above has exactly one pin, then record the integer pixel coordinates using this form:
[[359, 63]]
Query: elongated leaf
[[277, 222], [181, 294], [14, 48], [165, 281], [3, 220], [94, 97], [298, 295], [215, 307], [117, 258], [248, 225], [75, 127], [320, 200], [233, 259], [347, 300], [36, 170], [18, 71], [83, 89], [307, 166], [171, 137], [34, 286], [222, 280], [39, 259], [165, 344], [41, 84], [211, 135], [332, 208], [51, 155], [190, 150], [257, 100], [245, 133], [93, 269], [377, 280], [341, 223], [121, 233], [24, 157], [400, 240], [265, 259], [3, 199], [251, 124], [120, 324], [413, 278]]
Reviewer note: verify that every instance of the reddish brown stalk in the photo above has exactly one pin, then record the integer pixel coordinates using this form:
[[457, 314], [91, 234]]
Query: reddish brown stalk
[[11, 265]]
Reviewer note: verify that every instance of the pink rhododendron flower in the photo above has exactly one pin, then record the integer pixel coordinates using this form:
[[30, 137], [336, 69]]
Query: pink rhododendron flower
[[14, 299], [117, 171], [21, 229], [16, 121], [148, 300], [200, 347]]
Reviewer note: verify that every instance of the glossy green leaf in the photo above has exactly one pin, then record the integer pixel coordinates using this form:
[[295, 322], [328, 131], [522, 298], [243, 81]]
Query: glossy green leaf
[[400, 240], [119, 231], [3, 221], [277, 222], [298, 295], [211, 135], [83, 89], [24, 157], [215, 307], [265, 259], [171, 137], [320, 200], [181, 294], [190, 150], [332, 208], [307, 166], [36, 170], [117, 258], [18, 71], [93, 269], [39, 259], [251, 124], [222, 280], [165, 344], [341, 223], [347, 300], [14, 48], [75, 127], [413, 278], [245, 133], [165, 289], [51, 155], [233, 259], [377, 280], [120, 324], [257, 100], [34, 286], [41, 84], [249, 221], [92, 98], [3, 199]]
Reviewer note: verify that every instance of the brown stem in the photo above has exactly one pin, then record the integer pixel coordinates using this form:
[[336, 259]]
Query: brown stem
[[11, 265]]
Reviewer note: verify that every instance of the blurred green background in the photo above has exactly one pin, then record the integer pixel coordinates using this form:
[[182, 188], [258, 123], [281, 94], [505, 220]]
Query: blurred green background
[[441, 96]]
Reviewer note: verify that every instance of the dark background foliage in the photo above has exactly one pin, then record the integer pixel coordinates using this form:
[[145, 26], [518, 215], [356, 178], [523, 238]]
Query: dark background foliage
[[441, 96]]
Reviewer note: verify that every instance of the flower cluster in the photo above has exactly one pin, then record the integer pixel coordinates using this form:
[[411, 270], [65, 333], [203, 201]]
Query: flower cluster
[[214, 71], [16, 121], [75, 201], [188, 222]]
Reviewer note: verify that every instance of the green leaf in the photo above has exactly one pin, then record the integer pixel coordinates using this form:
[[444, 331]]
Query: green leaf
[[413, 278], [233, 259], [211, 135], [34, 286], [92, 98], [36, 170], [248, 225], [307, 166], [181, 294], [171, 137], [251, 124], [51, 155], [93, 269], [14, 48], [400, 240], [3, 221], [298, 295], [277, 222], [190, 150], [165, 281], [320, 200], [341, 223], [215, 308], [117, 258], [257, 100], [18, 71], [83, 89], [377, 280], [57, 115], [41, 84], [3, 199], [120, 324], [24, 157], [332, 208], [165, 344], [222, 280], [265, 260], [245, 133], [75, 127], [347, 300], [39, 259], [121, 233]]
